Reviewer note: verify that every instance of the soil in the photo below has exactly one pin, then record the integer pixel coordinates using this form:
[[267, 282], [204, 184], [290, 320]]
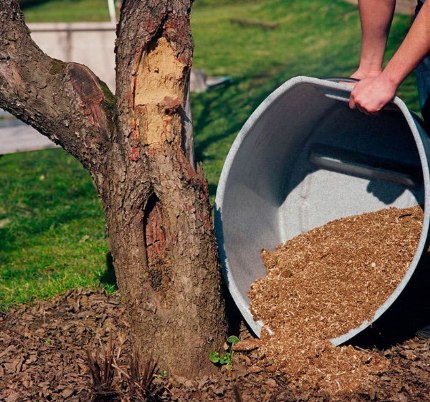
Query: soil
[[43, 357]]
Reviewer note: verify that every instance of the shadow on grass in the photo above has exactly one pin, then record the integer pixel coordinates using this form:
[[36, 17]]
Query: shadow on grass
[[219, 114], [212, 190], [27, 4], [108, 277], [213, 106]]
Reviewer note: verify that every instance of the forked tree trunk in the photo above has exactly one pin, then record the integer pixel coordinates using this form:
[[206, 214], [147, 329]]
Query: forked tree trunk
[[137, 151]]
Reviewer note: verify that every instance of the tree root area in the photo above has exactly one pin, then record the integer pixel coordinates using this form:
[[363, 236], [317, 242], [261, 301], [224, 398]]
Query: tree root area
[[43, 357]]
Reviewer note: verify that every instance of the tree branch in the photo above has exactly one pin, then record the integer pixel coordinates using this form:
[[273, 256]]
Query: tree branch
[[64, 101]]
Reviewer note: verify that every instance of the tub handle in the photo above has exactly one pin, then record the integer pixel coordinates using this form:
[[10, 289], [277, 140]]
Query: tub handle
[[367, 166], [336, 96], [344, 79]]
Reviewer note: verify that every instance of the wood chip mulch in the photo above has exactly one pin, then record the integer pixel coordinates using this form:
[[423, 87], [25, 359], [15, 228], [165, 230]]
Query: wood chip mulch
[[43, 348], [325, 282]]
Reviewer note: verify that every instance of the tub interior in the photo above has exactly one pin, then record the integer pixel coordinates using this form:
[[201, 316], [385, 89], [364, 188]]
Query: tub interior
[[304, 158]]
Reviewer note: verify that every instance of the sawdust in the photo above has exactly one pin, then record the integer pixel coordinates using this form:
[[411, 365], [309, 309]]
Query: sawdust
[[325, 282]]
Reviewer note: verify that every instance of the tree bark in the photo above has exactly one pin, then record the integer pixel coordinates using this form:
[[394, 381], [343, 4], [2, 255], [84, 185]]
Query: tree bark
[[135, 147]]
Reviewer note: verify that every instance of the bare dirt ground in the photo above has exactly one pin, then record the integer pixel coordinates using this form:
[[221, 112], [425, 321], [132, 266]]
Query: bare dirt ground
[[43, 358]]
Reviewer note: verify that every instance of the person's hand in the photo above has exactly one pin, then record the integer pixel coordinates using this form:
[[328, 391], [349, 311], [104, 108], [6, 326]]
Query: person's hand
[[370, 95]]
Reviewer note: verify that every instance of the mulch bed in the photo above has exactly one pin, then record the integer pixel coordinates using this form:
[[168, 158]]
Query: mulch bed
[[43, 357]]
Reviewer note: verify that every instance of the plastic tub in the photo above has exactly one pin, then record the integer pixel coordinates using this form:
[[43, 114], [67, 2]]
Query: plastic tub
[[303, 159]]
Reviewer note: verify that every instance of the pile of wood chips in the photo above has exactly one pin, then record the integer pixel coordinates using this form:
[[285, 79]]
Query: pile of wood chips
[[325, 282]]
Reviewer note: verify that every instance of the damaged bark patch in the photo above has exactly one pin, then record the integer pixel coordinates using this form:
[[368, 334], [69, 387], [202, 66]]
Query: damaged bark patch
[[134, 154], [91, 96], [158, 91], [84, 83], [155, 239]]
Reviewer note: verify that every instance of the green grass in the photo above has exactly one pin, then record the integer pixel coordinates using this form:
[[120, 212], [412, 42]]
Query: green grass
[[66, 10], [52, 234]]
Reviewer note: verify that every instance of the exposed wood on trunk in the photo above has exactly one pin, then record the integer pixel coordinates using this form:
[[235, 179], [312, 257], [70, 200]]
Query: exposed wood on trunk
[[158, 90], [154, 231]]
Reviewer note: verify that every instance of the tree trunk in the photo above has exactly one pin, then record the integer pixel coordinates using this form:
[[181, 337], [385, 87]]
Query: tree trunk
[[155, 200]]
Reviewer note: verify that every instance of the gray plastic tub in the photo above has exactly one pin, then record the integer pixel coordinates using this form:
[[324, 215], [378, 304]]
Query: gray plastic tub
[[303, 159]]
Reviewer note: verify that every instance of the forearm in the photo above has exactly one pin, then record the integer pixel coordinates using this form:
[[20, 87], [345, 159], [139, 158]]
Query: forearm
[[413, 49], [375, 17]]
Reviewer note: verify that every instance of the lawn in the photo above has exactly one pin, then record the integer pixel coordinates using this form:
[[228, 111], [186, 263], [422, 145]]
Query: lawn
[[65, 10], [51, 227], [52, 234]]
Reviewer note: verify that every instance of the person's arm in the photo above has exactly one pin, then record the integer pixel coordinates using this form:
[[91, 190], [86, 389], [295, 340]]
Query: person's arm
[[372, 94], [375, 18]]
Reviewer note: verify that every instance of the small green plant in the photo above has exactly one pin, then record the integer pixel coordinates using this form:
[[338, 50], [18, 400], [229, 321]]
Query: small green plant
[[225, 359], [162, 374]]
